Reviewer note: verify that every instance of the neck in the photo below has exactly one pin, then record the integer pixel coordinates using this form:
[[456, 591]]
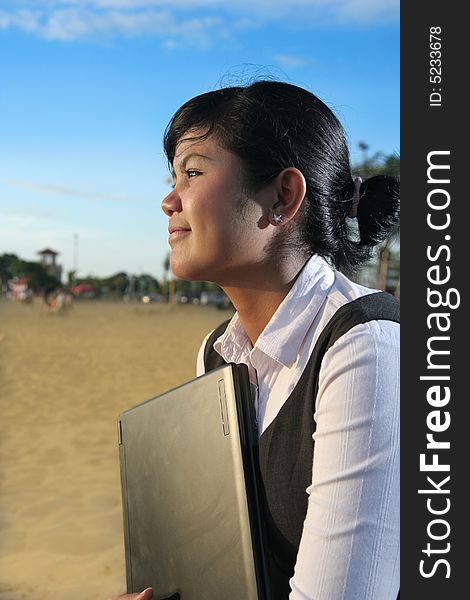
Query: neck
[[257, 299]]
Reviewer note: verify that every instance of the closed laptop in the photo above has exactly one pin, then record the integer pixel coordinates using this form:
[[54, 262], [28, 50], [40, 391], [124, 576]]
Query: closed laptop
[[192, 527]]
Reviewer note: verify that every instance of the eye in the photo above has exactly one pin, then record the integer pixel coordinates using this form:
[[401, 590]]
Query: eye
[[191, 173]]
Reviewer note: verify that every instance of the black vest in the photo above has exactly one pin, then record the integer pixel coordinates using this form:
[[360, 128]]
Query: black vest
[[286, 446]]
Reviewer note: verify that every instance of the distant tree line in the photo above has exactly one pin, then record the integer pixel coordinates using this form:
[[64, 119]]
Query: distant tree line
[[118, 285], [378, 164], [113, 285], [135, 286]]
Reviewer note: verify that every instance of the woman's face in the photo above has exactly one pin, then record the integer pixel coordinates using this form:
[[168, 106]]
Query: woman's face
[[221, 232]]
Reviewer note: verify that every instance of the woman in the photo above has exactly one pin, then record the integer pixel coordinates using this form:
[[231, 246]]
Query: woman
[[264, 205]]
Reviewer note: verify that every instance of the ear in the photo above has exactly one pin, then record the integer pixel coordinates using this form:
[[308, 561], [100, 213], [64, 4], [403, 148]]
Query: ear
[[290, 188]]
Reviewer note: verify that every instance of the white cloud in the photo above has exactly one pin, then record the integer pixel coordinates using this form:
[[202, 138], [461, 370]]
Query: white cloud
[[191, 21], [68, 24], [24, 19], [59, 190], [28, 213], [170, 44], [290, 61], [31, 232]]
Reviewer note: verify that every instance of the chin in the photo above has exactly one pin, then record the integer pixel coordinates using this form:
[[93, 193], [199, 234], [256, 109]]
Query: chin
[[186, 270]]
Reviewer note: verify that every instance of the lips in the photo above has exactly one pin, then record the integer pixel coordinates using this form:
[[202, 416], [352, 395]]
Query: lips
[[177, 232], [173, 229]]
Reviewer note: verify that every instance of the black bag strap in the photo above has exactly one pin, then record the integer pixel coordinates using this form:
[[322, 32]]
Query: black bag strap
[[212, 359], [378, 306]]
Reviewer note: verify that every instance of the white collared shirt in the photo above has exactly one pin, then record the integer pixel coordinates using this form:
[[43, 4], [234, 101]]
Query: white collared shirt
[[349, 548]]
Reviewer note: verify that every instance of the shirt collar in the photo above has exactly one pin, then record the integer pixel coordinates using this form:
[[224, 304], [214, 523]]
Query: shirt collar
[[282, 337]]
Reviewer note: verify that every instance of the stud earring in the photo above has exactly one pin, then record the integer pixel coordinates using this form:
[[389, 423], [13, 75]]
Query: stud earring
[[277, 219]]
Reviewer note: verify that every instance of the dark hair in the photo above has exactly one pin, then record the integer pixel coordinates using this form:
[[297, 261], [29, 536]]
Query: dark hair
[[271, 125]]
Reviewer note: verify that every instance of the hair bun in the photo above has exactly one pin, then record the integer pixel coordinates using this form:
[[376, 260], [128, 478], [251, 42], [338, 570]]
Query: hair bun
[[379, 208]]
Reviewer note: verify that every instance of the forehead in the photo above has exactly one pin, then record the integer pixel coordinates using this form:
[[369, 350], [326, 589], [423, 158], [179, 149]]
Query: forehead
[[195, 141]]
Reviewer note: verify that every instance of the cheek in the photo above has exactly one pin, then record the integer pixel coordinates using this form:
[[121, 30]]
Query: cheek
[[223, 219], [218, 216]]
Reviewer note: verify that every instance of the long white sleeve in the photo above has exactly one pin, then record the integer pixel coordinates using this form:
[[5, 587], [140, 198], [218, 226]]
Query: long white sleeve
[[349, 548]]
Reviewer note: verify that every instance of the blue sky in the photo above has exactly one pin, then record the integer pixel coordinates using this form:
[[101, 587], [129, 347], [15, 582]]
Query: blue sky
[[88, 86]]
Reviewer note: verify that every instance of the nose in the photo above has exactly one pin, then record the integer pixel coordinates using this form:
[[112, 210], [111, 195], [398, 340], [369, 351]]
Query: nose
[[171, 203]]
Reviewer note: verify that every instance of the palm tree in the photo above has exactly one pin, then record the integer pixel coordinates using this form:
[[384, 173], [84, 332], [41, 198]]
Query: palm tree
[[363, 147]]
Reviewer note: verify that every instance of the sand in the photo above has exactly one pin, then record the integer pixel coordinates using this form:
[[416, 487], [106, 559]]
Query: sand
[[64, 379]]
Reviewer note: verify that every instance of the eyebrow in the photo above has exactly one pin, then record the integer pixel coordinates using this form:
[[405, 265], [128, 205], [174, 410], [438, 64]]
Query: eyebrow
[[192, 155]]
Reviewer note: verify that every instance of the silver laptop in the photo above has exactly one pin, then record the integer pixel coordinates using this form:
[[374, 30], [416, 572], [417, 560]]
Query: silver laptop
[[192, 528]]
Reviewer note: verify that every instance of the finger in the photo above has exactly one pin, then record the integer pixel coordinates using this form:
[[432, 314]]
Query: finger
[[146, 594]]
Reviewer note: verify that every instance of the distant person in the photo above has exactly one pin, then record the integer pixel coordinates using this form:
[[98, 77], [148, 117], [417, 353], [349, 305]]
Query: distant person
[[56, 299], [264, 204], [48, 297]]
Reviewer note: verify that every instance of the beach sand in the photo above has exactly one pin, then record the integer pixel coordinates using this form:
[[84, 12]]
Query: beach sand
[[64, 379]]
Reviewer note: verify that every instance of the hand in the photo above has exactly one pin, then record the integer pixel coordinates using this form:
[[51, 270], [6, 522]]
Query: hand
[[147, 594]]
